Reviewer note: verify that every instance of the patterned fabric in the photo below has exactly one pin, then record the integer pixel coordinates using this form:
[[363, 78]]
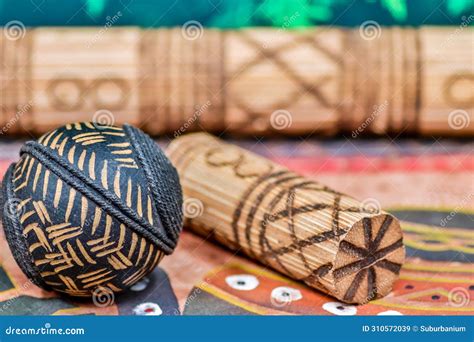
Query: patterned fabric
[[84, 208], [427, 185]]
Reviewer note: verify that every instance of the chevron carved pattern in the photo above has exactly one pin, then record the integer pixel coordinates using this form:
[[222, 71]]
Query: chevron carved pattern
[[76, 245]]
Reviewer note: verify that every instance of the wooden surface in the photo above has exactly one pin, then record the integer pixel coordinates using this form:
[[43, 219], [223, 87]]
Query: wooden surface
[[297, 226], [253, 81]]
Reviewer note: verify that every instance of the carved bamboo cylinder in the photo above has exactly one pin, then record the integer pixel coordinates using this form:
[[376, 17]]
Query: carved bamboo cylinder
[[253, 81], [295, 225]]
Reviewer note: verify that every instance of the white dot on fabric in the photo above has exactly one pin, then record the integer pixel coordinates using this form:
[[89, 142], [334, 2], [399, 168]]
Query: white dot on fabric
[[147, 309], [390, 313], [140, 285], [243, 282], [340, 309], [284, 294]]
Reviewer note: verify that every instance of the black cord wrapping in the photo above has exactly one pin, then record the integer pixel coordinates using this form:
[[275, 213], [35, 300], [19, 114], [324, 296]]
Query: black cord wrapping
[[107, 200], [157, 168]]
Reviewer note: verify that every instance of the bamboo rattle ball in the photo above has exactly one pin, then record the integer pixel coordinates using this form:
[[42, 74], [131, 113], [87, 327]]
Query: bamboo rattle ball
[[90, 207]]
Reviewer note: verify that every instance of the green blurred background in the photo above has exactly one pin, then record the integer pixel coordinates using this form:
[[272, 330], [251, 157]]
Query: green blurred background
[[236, 13]]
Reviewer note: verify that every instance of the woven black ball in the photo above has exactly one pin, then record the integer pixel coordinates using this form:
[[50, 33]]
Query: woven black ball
[[89, 207]]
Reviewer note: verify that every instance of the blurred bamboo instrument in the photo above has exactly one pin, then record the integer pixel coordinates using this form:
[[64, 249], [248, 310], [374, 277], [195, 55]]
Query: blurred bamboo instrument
[[252, 81], [328, 240]]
